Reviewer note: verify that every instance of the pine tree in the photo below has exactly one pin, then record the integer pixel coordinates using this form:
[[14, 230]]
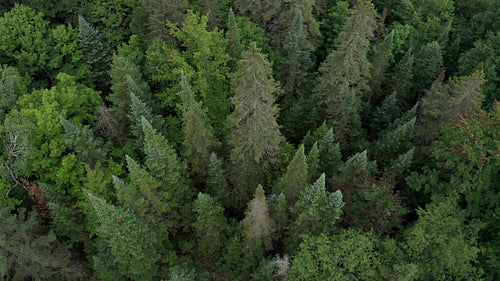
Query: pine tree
[[402, 79], [210, 224], [133, 245], [258, 224], [82, 141], [308, 11], [392, 143], [234, 47], [266, 15], [216, 182], [380, 64], [254, 134], [295, 178], [97, 54], [199, 140], [336, 80], [313, 163], [317, 211], [125, 78]]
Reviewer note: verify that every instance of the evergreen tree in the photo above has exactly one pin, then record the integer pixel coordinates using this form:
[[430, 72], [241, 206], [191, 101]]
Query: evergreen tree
[[210, 224], [216, 182], [135, 248], [254, 135], [336, 80], [380, 64], [125, 78], [258, 224], [266, 15], [296, 178], [402, 79], [12, 85], [234, 47], [138, 111], [428, 63], [308, 10], [96, 53], [198, 134], [82, 141], [313, 163], [317, 211]]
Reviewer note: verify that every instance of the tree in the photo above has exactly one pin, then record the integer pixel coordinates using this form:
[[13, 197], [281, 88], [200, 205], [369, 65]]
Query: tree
[[139, 110], [134, 247], [210, 224], [113, 18], [373, 205], [316, 211], [29, 251], [199, 140], [258, 224], [402, 79], [349, 255], [442, 246], [254, 135], [265, 14], [12, 85], [308, 10], [217, 185], [337, 81], [295, 178], [234, 48], [427, 64], [96, 53], [380, 65]]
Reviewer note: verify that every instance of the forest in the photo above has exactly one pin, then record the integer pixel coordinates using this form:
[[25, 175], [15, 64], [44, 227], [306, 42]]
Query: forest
[[250, 140]]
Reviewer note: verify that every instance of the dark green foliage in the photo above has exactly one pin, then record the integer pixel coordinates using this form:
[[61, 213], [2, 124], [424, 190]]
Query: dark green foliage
[[113, 18], [402, 79], [29, 251], [373, 205], [380, 65], [216, 182], [427, 65], [295, 179], [135, 249], [234, 47], [331, 25], [138, 111], [96, 53], [199, 140], [210, 224]]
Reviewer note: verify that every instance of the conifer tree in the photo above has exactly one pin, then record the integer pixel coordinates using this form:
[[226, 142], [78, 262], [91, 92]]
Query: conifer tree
[[139, 110], [317, 211], [380, 64], [392, 143], [83, 142], [199, 140], [295, 178], [346, 69], [386, 113], [254, 134], [97, 54], [428, 63], [258, 224], [313, 163], [125, 78], [135, 248], [234, 47], [402, 79], [216, 182], [210, 224], [307, 9]]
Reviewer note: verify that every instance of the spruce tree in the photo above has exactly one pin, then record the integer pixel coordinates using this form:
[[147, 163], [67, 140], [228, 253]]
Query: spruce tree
[[347, 69], [134, 246], [199, 140], [210, 224], [308, 11], [254, 134], [380, 64], [216, 181], [402, 79], [234, 47], [96, 52], [258, 224], [313, 163], [295, 178], [138, 111]]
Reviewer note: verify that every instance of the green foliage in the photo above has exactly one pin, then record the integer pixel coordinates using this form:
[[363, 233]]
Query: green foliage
[[29, 251], [427, 65], [234, 47], [140, 110], [135, 248], [199, 140], [307, 9], [332, 24], [216, 181], [349, 255], [295, 179], [210, 224], [317, 211], [113, 18], [373, 205], [12, 85], [380, 64], [441, 245]]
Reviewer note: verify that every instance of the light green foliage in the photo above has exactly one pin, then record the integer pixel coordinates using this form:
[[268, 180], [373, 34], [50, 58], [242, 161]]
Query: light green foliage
[[210, 224], [295, 179], [185, 273], [265, 14], [140, 110], [125, 78], [96, 52], [351, 167], [28, 251], [349, 255], [82, 141], [199, 140], [258, 224], [443, 103], [250, 32], [317, 211], [313, 164], [132, 243], [205, 53], [234, 47], [12, 85], [337, 81], [71, 100], [441, 245]]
